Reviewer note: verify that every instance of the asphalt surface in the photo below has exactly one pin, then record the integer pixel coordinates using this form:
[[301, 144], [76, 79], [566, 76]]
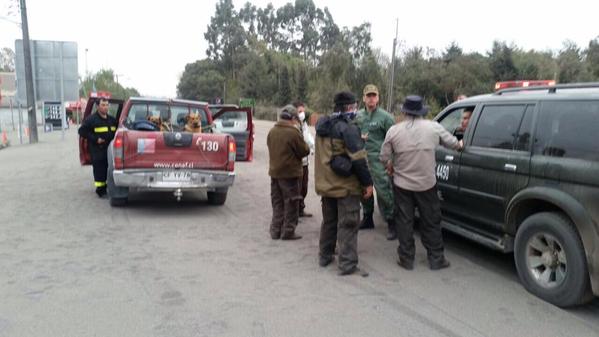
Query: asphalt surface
[[73, 266]]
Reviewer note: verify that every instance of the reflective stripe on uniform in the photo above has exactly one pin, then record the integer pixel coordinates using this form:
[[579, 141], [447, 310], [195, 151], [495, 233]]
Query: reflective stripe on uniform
[[113, 128], [100, 183], [101, 129]]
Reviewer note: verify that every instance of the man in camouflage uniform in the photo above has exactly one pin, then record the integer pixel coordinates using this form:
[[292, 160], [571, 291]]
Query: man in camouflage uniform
[[374, 122]]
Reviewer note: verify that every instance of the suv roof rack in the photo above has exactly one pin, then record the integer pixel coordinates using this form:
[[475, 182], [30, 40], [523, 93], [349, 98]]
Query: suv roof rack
[[551, 89]]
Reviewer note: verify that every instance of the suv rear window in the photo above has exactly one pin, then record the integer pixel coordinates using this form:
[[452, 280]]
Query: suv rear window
[[172, 117], [498, 125], [568, 129]]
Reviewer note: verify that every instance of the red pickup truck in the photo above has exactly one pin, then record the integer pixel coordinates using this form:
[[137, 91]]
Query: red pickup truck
[[156, 148]]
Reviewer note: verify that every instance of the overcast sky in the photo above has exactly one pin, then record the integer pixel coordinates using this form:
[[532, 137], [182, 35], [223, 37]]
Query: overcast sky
[[149, 42]]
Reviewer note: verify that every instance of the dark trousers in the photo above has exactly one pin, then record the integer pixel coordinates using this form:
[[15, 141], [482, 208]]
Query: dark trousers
[[340, 222], [303, 189], [284, 196], [429, 209], [100, 168]]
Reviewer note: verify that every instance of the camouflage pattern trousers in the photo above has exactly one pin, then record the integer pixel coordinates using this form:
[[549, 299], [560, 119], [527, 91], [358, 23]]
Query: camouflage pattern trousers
[[383, 188], [340, 222]]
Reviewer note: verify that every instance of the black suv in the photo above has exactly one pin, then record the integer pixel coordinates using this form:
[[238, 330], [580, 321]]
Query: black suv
[[527, 182]]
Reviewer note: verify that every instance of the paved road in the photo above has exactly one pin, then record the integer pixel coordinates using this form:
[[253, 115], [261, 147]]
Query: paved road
[[73, 266]]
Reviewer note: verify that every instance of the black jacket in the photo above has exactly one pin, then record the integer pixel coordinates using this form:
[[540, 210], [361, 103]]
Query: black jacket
[[94, 127]]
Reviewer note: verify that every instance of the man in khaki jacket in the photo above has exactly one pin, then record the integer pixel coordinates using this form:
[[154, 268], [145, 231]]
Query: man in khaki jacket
[[286, 148], [409, 154], [341, 186]]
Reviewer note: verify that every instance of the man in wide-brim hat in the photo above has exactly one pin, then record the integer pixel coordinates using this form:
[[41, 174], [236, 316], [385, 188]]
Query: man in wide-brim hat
[[409, 154]]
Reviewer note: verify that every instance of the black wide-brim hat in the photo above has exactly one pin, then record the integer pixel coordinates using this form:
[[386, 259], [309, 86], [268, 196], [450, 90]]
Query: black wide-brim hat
[[413, 106]]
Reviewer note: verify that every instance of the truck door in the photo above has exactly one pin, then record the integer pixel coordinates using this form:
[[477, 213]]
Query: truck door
[[495, 164], [238, 123], [114, 110]]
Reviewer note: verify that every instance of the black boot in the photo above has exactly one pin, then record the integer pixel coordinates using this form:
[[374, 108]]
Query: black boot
[[367, 222], [101, 191], [392, 233]]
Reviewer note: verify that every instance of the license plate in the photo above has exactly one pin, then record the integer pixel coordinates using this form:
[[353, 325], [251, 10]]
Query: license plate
[[179, 176]]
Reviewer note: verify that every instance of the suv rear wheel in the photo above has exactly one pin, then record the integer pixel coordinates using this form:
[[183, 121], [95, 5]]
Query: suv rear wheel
[[550, 259]]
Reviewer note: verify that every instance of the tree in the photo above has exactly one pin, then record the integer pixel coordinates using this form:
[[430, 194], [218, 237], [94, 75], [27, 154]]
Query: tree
[[7, 60], [201, 80], [452, 52], [569, 61], [284, 95], [592, 59], [501, 62], [104, 80], [226, 36], [302, 84]]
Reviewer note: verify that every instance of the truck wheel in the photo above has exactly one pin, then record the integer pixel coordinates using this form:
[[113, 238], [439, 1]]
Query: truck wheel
[[118, 195], [117, 202], [551, 261], [217, 198]]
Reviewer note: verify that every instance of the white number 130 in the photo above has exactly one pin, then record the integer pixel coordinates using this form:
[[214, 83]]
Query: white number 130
[[210, 146]]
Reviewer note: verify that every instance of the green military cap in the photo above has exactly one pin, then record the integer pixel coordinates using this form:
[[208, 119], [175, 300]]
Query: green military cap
[[371, 89]]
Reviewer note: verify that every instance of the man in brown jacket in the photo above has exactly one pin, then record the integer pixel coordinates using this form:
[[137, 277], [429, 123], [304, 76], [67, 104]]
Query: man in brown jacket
[[286, 148]]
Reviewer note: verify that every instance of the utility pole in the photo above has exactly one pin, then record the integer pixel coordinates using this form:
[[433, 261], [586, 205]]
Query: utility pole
[[31, 111], [392, 79]]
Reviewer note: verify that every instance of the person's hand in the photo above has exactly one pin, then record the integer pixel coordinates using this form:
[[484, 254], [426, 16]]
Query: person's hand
[[460, 145], [368, 192], [101, 141], [365, 136], [389, 168]]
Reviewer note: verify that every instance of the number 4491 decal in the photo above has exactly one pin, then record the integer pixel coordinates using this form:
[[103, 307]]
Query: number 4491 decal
[[443, 172]]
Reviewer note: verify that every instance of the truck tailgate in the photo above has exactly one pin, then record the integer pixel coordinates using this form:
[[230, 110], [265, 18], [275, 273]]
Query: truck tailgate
[[175, 150]]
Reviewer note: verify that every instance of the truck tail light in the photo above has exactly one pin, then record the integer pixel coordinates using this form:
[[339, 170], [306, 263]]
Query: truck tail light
[[118, 151], [232, 154]]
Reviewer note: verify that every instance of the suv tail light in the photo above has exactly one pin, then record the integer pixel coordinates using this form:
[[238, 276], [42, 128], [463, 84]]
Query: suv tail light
[[118, 150], [232, 154]]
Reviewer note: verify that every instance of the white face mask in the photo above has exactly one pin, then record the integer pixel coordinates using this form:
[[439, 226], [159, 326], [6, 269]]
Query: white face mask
[[302, 116]]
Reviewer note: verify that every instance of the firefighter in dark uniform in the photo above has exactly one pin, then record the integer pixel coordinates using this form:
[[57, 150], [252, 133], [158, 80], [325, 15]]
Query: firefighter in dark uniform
[[99, 129]]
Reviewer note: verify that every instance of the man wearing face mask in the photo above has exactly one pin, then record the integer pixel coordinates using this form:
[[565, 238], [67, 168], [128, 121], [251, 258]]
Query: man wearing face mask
[[342, 179], [309, 139], [374, 123], [286, 148]]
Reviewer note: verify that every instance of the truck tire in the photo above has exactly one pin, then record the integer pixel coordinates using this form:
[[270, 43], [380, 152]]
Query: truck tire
[[551, 261], [217, 198], [118, 195]]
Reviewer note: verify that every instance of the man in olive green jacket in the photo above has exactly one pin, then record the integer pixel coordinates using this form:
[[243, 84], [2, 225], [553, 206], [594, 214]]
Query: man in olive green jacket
[[286, 148], [337, 137], [374, 123]]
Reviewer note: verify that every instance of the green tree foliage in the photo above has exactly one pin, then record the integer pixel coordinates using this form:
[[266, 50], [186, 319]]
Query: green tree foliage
[[297, 51], [104, 80], [201, 80], [284, 90], [226, 36], [501, 61], [592, 58], [569, 62]]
